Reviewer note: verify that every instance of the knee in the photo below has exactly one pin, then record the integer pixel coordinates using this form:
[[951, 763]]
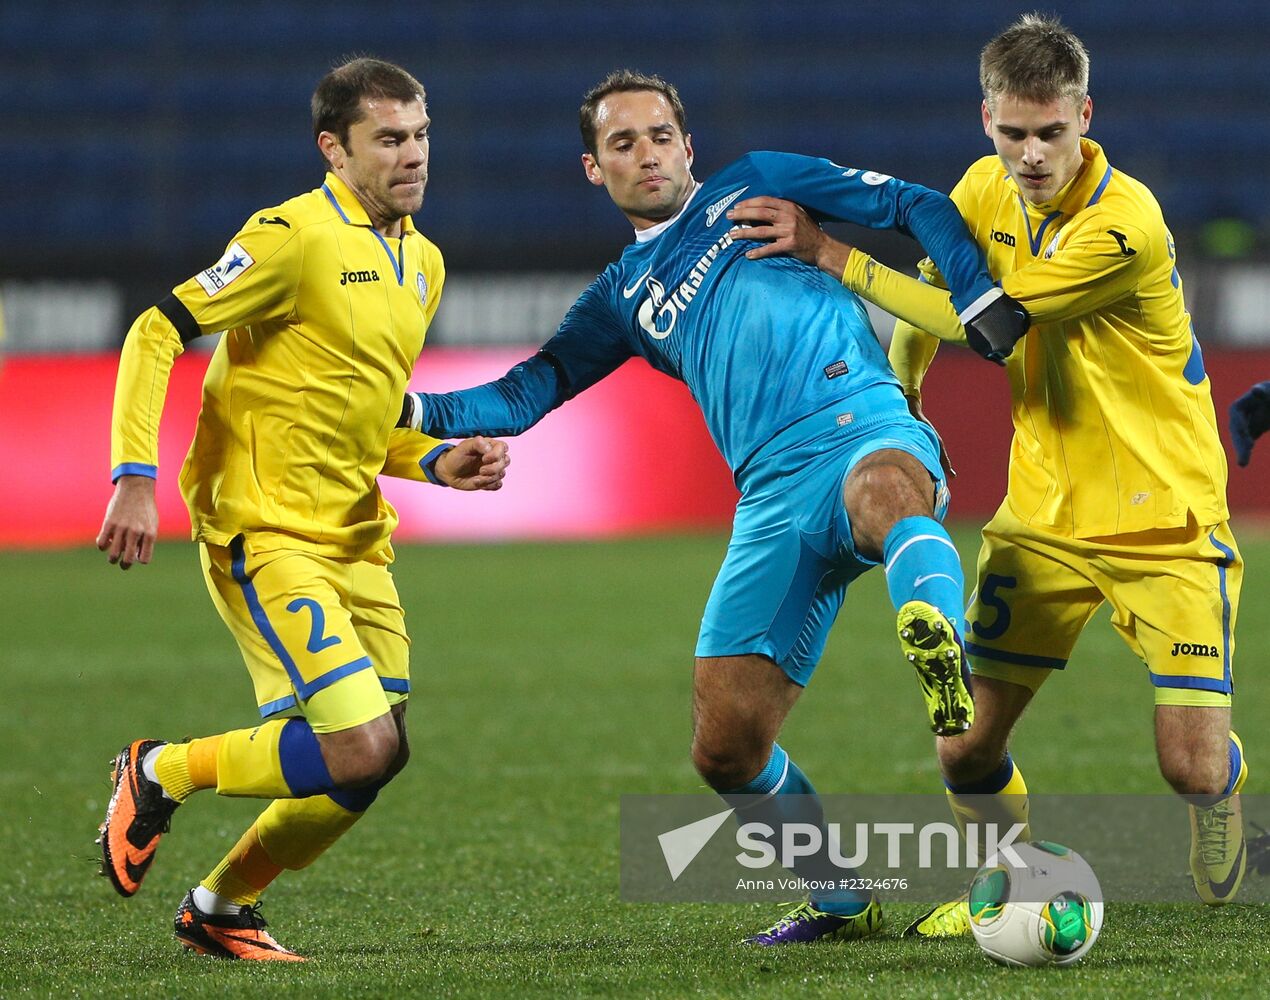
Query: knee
[[729, 764], [369, 759], [969, 757], [1195, 775], [877, 498], [1193, 748]]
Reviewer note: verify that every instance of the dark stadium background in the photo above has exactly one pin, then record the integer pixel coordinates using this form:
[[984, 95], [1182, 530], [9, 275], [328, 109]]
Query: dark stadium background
[[140, 136]]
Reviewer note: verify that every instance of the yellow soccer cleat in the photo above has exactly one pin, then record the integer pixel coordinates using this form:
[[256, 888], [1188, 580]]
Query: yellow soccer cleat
[[1218, 853], [943, 921], [932, 646]]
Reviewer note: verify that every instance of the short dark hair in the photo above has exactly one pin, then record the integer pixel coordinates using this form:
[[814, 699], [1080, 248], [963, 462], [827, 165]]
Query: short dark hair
[[337, 100], [623, 81]]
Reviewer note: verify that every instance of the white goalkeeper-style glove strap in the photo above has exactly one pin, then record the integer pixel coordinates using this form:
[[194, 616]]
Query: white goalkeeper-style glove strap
[[411, 412], [976, 308]]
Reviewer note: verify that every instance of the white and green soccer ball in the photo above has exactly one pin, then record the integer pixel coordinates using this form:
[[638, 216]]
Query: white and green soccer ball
[[1048, 912]]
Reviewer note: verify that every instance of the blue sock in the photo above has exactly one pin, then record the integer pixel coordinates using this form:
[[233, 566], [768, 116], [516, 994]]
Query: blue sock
[[922, 565], [790, 798]]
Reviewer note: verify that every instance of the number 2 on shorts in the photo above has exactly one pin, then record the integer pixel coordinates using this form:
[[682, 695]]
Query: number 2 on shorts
[[317, 641]]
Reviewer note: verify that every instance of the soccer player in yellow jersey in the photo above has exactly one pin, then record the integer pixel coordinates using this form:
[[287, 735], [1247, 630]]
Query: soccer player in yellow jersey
[[1117, 486], [326, 299]]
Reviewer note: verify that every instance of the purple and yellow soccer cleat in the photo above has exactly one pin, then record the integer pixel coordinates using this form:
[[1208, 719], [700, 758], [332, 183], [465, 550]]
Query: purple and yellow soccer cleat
[[805, 924]]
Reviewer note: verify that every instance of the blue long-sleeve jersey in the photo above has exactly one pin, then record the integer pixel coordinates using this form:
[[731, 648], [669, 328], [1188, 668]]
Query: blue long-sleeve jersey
[[760, 344]]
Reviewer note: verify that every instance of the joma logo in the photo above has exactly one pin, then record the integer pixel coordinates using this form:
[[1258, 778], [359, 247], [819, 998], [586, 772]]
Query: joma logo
[[1000, 237], [1194, 649], [353, 277]]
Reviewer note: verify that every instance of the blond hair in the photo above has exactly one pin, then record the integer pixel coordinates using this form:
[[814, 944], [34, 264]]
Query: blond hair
[[1036, 59]]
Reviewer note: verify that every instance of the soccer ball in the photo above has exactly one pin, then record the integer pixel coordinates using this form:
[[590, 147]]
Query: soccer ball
[[1046, 913]]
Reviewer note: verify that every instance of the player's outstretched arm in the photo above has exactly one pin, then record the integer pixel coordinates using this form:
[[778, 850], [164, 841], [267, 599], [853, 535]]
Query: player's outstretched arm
[[786, 228], [1249, 419], [507, 406], [131, 524], [477, 463]]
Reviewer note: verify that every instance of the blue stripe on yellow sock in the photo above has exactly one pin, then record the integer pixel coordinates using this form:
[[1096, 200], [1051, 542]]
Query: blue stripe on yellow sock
[[989, 785], [306, 773], [303, 768], [1236, 757], [356, 800]]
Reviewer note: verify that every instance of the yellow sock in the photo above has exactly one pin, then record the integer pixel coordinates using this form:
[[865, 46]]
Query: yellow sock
[[1004, 807], [245, 872], [289, 834], [183, 768], [248, 763], [295, 832], [242, 762]]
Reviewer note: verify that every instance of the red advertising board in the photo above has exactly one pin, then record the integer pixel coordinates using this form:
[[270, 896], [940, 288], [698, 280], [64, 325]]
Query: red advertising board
[[629, 455]]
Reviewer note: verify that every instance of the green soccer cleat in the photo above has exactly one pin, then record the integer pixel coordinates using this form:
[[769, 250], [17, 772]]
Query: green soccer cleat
[[932, 646], [1218, 852], [805, 924], [943, 921]]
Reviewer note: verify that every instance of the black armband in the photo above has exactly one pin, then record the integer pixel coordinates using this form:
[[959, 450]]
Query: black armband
[[180, 317]]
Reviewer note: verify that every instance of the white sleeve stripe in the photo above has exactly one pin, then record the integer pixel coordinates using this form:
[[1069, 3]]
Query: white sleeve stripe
[[913, 540]]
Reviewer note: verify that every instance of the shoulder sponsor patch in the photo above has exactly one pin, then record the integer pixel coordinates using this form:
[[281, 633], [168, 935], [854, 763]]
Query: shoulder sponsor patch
[[226, 270], [422, 282], [721, 206]]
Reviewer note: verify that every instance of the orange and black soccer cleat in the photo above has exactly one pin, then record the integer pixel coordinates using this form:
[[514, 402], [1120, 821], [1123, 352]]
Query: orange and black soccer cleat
[[237, 935], [137, 816]]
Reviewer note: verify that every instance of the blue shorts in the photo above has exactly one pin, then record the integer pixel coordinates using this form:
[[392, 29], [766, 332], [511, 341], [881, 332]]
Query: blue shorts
[[791, 555]]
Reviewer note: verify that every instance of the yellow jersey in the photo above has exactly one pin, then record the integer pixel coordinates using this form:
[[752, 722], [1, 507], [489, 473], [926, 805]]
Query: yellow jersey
[[1114, 427], [324, 319]]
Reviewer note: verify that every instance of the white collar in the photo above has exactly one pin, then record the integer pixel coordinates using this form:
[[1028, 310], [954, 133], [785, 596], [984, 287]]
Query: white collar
[[652, 232]]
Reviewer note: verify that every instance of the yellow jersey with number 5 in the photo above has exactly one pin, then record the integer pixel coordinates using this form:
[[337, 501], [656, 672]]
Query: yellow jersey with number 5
[[1114, 427], [325, 318]]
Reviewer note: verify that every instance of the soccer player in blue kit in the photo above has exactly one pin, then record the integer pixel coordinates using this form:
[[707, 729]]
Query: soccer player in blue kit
[[835, 475]]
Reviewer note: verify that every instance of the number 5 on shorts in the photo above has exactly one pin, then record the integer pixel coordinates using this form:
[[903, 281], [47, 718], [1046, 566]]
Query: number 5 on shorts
[[989, 597]]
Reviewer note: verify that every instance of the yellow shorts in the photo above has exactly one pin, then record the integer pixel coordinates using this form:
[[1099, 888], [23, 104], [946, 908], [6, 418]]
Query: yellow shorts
[[1174, 594], [323, 638]]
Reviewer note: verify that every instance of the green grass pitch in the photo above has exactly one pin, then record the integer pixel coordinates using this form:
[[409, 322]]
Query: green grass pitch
[[549, 680]]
